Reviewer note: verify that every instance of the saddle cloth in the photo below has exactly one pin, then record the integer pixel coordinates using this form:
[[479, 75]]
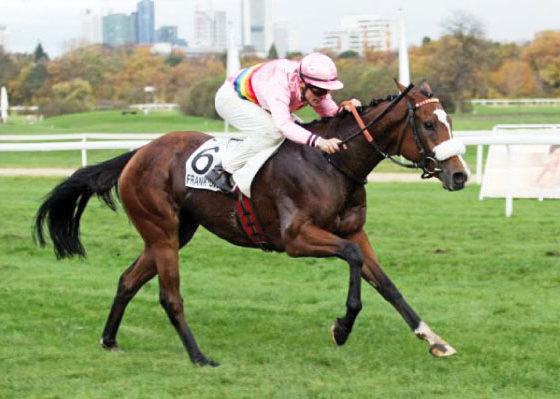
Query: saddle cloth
[[210, 153]]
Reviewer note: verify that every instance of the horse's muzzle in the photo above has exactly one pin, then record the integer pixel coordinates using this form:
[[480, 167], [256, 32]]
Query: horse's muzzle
[[458, 180]]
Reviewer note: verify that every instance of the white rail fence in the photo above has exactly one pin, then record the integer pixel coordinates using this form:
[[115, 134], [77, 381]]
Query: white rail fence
[[114, 141], [103, 141]]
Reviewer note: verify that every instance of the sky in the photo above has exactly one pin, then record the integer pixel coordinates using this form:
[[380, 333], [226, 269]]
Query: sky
[[56, 22]]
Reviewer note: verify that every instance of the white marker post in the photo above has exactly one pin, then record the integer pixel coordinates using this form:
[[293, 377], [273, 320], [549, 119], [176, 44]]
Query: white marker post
[[232, 61], [4, 104], [404, 70]]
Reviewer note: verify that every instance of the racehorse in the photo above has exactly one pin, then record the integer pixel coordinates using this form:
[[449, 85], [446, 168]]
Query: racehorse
[[308, 204]]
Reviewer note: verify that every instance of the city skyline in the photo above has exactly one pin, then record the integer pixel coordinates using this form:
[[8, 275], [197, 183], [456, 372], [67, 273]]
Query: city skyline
[[30, 21]]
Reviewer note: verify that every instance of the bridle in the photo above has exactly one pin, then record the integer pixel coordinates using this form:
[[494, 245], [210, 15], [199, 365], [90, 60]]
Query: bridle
[[429, 164]]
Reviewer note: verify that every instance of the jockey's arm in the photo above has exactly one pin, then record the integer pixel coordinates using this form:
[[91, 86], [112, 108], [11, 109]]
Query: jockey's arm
[[328, 107]]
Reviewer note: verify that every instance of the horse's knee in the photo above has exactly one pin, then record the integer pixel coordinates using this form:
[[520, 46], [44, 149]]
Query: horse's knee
[[353, 255]]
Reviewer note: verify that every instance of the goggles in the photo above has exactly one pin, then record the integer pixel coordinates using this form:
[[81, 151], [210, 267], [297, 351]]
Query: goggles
[[317, 91]]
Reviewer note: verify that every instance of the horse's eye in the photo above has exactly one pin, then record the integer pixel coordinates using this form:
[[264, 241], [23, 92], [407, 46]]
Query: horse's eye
[[429, 125]]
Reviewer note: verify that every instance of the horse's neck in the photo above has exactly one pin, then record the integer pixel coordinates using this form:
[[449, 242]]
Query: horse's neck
[[360, 157]]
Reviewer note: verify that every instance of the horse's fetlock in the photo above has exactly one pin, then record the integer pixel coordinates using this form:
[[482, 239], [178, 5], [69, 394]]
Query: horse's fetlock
[[354, 305]]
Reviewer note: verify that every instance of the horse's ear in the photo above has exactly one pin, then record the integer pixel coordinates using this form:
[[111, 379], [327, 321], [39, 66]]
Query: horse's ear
[[425, 87], [399, 85]]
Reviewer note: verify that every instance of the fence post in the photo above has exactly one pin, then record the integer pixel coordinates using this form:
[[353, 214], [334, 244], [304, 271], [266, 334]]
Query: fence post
[[509, 182], [479, 156], [84, 152]]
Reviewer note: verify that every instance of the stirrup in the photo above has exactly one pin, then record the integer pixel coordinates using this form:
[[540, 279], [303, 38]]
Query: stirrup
[[221, 179]]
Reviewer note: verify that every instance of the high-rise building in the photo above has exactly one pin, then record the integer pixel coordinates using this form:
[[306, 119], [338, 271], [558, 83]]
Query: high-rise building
[[256, 33], [91, 26], [210, 30], [362, 32], [4, 37], [286, 38], [145, 22], [118, 29], [167, 34]]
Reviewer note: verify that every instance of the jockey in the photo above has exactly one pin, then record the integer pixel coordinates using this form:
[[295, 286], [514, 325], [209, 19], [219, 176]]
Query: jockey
[[259, 100]]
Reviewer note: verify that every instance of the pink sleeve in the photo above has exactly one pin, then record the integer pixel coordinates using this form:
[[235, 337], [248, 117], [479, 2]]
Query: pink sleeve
[[327, 107], [279, 105]]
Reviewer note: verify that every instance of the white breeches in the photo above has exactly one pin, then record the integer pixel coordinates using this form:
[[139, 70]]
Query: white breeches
[[249, 118]]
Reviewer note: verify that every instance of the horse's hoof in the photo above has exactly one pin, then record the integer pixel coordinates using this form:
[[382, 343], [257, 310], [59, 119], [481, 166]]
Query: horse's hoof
[[206, 362], [440, 350], [339, 334], [112, 347]]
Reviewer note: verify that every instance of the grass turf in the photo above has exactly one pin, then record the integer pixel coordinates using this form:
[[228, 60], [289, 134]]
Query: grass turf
[[488, 285]]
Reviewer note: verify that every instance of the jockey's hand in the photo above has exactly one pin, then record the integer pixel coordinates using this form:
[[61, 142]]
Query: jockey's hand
[[330, 146], [354, 101]]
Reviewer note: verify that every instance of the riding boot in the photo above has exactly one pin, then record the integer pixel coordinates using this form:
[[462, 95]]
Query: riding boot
[[221, 179]]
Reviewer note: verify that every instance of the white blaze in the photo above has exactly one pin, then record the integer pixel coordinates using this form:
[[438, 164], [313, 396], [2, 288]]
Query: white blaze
[[442, 116], [451, 147]]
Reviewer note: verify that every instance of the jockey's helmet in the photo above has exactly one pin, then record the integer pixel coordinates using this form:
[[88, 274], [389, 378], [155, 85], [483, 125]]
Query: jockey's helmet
[[319, 70]]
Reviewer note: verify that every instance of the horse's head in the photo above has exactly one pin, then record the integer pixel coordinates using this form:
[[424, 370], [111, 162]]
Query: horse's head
[[428, 141]]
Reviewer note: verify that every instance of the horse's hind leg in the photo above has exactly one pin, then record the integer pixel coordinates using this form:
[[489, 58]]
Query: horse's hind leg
[[167, 260], [132, 279], [374, 274]]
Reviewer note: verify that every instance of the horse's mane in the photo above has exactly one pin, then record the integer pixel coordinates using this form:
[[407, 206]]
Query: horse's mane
[[325, 120]]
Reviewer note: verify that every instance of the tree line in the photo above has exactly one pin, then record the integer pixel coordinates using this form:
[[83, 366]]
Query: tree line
[[460, 65]]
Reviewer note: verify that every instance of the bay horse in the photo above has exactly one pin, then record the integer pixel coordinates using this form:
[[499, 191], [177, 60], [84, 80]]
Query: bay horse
[[308, 204]]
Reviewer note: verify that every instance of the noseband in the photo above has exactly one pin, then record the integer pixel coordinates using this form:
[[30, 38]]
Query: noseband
[[429, 164]]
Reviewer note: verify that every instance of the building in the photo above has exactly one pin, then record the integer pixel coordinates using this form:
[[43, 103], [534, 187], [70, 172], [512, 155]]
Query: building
[[4, 38], [92, 32], [256, 30], [145, 22], [286, 38], [167, 34], [118, 29], [360, 33], [210, 30]]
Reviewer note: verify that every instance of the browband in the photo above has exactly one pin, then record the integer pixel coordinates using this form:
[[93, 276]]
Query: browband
[[427, 101]]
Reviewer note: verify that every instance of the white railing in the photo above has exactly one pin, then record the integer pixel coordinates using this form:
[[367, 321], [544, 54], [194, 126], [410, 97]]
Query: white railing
[[79, 141], [515, 101]]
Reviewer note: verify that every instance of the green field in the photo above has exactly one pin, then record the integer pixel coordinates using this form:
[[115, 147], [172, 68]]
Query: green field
[[487, 284], [483, 118]]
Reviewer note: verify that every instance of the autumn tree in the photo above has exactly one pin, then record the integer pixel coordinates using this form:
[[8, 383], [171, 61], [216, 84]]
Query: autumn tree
[[514, 78], [543, 54]]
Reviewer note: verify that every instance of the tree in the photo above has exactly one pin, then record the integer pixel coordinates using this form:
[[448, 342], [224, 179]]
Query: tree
[[39, 54], [348, 54], [514, 78], [68, 97], [543, 54], [272, 53], [34, 80], [8, 68], [294, 54], [458, 62]]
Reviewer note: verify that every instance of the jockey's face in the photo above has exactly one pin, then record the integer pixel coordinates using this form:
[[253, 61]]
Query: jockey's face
[[313, 95]]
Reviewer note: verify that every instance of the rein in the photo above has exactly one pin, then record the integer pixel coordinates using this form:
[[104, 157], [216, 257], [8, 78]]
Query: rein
[[428, 164]]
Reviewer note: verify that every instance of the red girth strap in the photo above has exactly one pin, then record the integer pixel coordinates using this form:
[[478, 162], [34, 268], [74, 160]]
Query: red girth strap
[[249, 221]]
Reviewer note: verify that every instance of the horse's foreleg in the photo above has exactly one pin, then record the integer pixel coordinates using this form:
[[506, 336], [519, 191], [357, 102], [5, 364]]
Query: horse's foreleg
[[132, 279], [313, 241], [374, 274], [167, 260]]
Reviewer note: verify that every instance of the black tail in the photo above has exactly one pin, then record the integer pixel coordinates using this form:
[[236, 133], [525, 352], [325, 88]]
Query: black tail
[[64, 205]]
